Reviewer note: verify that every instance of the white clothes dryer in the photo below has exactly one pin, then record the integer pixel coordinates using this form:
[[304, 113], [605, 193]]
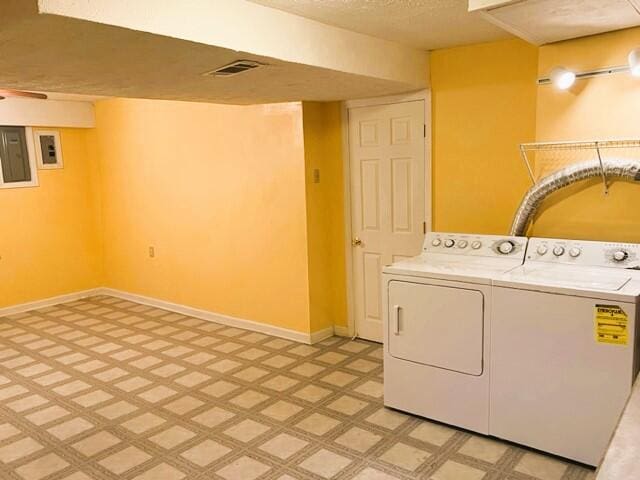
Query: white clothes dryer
[[436, 326]]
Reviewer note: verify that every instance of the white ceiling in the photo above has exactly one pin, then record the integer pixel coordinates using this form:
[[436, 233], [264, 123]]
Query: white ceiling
[[425, 24], [547, 21], [67, 54]]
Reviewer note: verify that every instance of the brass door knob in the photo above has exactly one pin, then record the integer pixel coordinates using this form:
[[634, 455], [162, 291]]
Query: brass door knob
[[356, 242]]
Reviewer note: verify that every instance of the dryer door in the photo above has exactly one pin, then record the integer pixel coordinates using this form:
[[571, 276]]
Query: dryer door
[[436, 325]]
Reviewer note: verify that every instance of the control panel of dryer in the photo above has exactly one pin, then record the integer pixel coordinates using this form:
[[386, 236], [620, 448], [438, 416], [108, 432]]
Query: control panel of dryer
[[474, 245], [584, 252]]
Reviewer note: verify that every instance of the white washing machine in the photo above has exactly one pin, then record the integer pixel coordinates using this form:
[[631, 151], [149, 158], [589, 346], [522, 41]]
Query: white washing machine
[[436, 326], [564, 350]]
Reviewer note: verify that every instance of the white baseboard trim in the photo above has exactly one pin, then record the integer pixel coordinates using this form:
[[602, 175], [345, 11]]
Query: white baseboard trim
[[308, 338], [341, 331], [49, 302], [321, 335], [222, 319]]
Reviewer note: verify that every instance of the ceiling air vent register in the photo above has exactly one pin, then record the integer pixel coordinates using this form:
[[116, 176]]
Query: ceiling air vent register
[[239, 66]]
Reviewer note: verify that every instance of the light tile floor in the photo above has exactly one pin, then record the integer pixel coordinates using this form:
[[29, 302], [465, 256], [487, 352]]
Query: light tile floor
[[108, 389]]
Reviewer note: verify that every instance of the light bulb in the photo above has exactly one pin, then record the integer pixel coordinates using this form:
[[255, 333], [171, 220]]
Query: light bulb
[[562, 78], [634, 62]]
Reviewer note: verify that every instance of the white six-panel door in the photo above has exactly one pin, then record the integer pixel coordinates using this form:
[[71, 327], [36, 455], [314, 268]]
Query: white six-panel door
[[387, 171]]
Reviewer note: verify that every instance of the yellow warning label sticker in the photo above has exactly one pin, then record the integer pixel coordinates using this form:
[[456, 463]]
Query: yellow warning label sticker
[[611, 324]]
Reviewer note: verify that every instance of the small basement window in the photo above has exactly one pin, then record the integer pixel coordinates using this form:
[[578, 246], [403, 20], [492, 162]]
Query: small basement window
[[17, 159]]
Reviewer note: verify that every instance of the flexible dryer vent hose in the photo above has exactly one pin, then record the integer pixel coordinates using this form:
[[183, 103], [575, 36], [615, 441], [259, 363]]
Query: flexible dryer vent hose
[[617, 169]]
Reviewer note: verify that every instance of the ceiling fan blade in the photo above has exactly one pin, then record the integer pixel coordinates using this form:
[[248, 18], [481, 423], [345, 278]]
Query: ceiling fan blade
[[20, 93]]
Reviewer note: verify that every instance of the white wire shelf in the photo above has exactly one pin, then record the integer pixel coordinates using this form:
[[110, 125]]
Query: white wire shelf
[[580, 145], [598, 146]]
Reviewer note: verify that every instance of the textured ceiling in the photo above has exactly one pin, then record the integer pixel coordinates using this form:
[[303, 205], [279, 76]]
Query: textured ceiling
[[57, 54], [426, 24]]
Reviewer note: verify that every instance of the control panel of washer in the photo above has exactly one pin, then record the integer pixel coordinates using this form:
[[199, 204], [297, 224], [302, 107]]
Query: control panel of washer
[[584, 252], [474, 245]]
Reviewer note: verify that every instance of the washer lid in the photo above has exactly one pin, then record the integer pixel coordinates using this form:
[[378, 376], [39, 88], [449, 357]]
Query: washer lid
[[583, 280], [556, 277]]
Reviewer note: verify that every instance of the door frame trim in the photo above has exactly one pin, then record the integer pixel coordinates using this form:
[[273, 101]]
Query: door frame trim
[[424, 95]]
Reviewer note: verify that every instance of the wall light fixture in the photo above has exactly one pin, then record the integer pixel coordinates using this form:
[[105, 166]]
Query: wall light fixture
[[563, 79]]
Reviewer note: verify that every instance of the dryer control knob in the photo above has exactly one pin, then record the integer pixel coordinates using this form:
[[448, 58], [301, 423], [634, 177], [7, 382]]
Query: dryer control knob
[[620, 255], [449, 243], [463, 244], [558, 251], [542, 250], [436, 242], [506, 247], [575, 252], [476, 245]]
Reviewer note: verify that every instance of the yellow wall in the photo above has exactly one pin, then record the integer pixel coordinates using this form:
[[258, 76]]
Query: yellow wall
[[219, 192], [605, 107], [226, 195], [325, 214], [483, 107], [49, 240], [486, 102]]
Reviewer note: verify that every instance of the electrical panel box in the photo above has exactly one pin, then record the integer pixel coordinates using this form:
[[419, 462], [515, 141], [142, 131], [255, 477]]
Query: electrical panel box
[[14, 155], [48, 150]]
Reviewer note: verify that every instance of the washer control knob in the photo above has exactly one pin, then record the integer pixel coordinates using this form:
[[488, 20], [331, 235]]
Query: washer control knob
[[575, 252], [476, 245], [436, 242], [463, 244], [542, 250], [506, 247], [449, 242], [620, 255], [558, 251]]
